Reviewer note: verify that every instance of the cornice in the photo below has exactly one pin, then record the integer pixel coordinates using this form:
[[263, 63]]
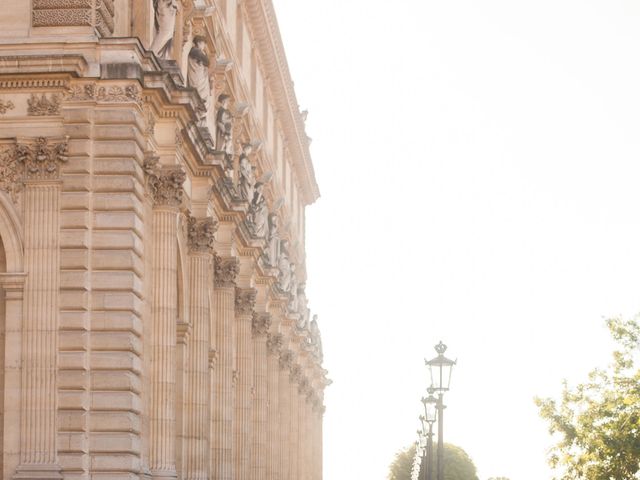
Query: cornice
[[268, 42]]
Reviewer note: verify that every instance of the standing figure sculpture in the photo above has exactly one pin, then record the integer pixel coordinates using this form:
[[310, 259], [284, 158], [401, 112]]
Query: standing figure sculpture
[[284, 267], [273, 241], [258, 214], [293, 290], [164, 27], [247, 177], [198, 74], [224, 132]]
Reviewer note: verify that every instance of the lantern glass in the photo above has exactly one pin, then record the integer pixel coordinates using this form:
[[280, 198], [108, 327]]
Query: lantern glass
[[440, 369], [430, 408]]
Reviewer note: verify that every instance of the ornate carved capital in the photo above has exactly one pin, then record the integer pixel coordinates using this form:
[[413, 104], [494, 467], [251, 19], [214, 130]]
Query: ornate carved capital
[[295, 374], [225, 271], [286, 359], [260, 324], [165, 185], [245, 300], [201, 234], [42, 159], [274, 343]]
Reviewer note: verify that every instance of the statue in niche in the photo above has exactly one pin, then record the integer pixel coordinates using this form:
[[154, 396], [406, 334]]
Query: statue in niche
[[246, 174], [272, 251], [198, 73], [258, 214], [316, 339], [165, 25], [284, 267], [224, 131]]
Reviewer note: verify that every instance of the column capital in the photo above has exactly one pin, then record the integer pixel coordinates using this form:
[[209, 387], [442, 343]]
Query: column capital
[[165, 184], [245, 300], [226, 269], [274, 343], [286, 359], [42, 158], [260, 324], [201, 233]]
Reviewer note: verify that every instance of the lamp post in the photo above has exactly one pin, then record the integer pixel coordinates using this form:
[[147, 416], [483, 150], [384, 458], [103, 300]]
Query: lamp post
[[440, 370], [428, 418]]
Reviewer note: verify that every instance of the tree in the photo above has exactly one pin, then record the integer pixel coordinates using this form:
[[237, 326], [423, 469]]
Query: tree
[[598, 423], [457, 464]]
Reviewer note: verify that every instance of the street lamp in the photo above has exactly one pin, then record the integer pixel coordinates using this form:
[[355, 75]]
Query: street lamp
[[428, 419], [440, 370]]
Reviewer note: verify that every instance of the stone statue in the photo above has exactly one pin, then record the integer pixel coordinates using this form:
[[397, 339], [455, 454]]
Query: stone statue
[[164, 27], [293, 290], [224, 131], [316, 339], [303, 311], [258, 214], [198, 72], [246, 174], [273, 241], [284, 267]]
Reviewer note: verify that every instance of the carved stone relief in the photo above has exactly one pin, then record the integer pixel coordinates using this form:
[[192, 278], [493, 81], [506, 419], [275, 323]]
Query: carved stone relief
[[5, 106], [41, 159], [42, 105], [98, 14], [165, 185], [245, 300], [260, 324], [225, 271], [201, 234]]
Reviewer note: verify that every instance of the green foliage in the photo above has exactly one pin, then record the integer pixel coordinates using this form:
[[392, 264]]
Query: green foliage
[[598, 423], [457, 464]]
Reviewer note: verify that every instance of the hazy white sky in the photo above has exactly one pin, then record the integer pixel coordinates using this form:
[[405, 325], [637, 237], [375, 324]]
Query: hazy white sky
[[479, 163]]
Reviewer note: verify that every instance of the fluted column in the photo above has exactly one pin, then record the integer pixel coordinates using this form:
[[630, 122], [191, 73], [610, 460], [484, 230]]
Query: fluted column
[[294, 409], [260, 328], [165, 187], [245, 303], [200, 237], [221, 396], [274, 344], [284, 405], [38, 455], [302, 430]]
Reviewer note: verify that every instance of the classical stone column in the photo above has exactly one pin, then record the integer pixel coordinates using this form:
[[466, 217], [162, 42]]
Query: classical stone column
[[317, 440], [302, 429], [245, 303], [294, 413], [165, 186], [274, 345], [260, 328], [221, 397], [200, 238], [38, 455], [284, 381]]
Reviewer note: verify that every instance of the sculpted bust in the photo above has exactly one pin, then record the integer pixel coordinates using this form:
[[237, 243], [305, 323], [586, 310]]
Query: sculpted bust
[[164, 27]]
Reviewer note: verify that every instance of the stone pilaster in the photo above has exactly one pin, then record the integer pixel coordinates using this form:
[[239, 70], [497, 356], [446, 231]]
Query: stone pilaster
[[245, 304], [284, 404], [274, 345], [200, 238], [221, 397], [165, 187], [260, 328], [38, 455], [294, 413]]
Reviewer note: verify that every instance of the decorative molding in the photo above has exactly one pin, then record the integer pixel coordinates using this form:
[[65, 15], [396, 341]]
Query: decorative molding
[[42, 106], [82, 92], [33, 83], [165, 184], [118, 94], [6, 106], [245, 300], [42, 159], [98, 14], [260, 324], [201, 234], [10, 172], [225, 271]]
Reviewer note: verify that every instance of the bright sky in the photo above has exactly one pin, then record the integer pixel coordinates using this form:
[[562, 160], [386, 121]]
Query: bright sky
[[479, 163]]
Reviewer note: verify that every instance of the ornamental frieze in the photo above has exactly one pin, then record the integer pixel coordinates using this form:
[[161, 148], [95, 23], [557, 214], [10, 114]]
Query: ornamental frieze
[[5, 106], [107, 94], [98, 14], [260, 324], [245, 300], [225, 271], [38, 106], [201, 234]]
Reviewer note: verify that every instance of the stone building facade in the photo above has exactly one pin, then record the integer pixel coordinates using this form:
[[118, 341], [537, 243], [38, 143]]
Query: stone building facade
[[154, 174]]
